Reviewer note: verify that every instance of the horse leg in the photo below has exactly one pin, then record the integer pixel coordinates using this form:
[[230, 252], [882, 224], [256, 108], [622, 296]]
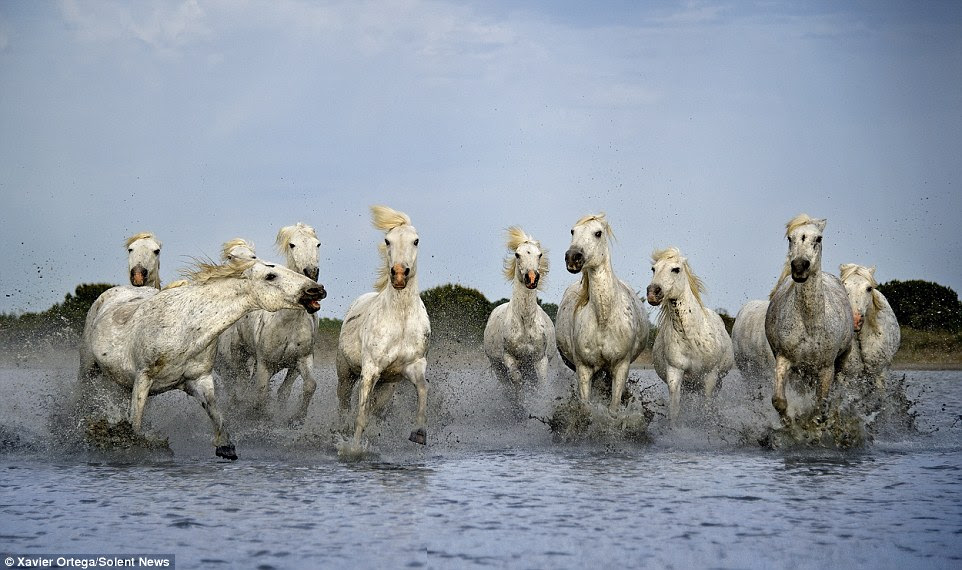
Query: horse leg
[[368, 378], [306, 367], [619, 376], [415, 373], [203, 389], [782, 366], [825, 377], [585, 375], [284, 390], [513, 368], [138, 399], [261, 380], [675, 376], [541, 370]]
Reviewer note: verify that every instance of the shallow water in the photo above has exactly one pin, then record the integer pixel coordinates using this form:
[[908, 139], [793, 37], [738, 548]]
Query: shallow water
[[489, 489]]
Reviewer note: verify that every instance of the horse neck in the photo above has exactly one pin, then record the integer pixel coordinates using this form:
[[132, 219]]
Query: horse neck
[[809, 294], [685, 313], [401, 300], [524, 301], [224, 301], [601, 290]]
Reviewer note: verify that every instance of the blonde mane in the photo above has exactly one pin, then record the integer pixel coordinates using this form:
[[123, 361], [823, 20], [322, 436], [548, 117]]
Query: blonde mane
[[515, 239], [847, 270], [140, 236], [694, 282], [207, 271], [285, 234], [583, 297], [386, 219], [229, 245]]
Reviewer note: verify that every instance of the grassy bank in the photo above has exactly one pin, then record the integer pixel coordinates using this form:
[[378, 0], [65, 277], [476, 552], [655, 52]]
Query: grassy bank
[[929, 349]]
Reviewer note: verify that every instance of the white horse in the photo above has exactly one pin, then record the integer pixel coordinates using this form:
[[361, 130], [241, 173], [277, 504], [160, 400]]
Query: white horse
[[239, 249], [152, 342], [519, 333], [692, 343], [601, 324], [877, 333], [809, 322], [276, 340], [143, 260], [753, 354], [385, 334]]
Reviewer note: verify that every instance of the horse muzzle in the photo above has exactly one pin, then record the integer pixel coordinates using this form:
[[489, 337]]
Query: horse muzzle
[[574, 260], [531, 279], [138, 275], [399, 276], [857, 319], [312, 272], [655, 295], [800, 270], [311, 298]]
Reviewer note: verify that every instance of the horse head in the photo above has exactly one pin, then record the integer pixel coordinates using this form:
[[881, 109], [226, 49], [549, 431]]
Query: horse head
[[860, 286], [143, 259], [299, 244], [399, 250], [804, 246], [589, 243], [238, 249], [275, 288], [528, 263], [671, 277]]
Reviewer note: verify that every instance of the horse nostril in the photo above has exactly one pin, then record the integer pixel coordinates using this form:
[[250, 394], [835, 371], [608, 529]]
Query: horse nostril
[[407, 271]]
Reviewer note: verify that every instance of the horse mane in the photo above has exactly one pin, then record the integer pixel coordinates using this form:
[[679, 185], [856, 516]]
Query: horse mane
[[285, 234], [515, 239], [229, 245], [600, 217], [386, 219], [205, 271], [694, 282], [848, 270], [140, 236]]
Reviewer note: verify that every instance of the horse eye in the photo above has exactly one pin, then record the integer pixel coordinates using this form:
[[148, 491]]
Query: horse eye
[[318, 245], [803, 238], [416, 242], [130, 250], [652, 269], [676, 270], [540, 255], [271, 276], [291, 245], [572, 231], [517, 255], [818, 239], [253, 257], [387, 241], [156, 252], [598, 234], [868, 289]]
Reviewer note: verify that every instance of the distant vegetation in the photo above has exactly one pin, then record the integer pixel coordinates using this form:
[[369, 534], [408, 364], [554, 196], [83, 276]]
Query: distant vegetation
[[924, 305], [930, 314]]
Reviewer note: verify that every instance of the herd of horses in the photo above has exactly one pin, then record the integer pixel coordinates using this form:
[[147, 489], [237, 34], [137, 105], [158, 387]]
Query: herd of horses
[[247, 319]]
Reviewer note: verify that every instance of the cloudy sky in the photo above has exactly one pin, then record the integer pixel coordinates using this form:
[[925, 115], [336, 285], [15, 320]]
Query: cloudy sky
[[705, 125]]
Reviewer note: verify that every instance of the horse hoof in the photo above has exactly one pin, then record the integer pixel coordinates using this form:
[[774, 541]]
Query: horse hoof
[[226, 451], [419, 435]]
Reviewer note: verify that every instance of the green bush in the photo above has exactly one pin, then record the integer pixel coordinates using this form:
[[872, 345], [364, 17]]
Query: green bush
[[923, 305]]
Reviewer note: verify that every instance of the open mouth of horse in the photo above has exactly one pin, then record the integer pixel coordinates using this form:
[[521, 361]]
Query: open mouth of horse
[[138, 276], [311, 299], [531, 279], [799, 278]]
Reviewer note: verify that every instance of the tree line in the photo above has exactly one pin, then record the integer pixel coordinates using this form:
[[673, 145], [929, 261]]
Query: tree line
[[459, 313]]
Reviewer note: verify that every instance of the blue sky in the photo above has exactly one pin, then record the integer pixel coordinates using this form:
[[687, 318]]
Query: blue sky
[[705, 125]]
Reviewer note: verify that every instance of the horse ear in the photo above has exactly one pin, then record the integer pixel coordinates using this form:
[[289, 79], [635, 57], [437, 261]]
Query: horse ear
[[820, 224], [871, 271]]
